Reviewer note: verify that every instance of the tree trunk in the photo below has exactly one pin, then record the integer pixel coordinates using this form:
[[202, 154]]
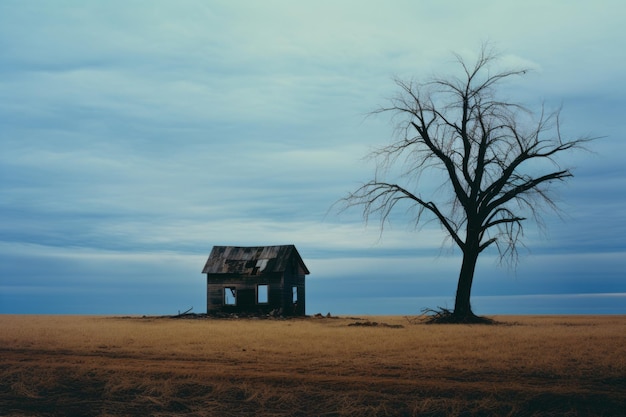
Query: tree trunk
[[462, 307]]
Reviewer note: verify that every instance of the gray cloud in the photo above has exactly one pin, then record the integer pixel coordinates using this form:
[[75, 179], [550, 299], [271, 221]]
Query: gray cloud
[[133, 133]]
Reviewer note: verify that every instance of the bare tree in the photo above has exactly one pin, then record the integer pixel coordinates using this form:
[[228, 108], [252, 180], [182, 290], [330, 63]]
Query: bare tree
[[498, 159]]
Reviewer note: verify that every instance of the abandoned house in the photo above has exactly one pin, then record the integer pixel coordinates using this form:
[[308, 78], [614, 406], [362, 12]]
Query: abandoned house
[[259, 279]]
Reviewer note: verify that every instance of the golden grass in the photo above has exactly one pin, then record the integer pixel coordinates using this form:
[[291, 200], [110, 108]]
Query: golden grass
[[102, 366]]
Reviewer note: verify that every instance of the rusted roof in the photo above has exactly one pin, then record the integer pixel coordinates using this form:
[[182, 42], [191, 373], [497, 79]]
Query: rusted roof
[[252, 260]]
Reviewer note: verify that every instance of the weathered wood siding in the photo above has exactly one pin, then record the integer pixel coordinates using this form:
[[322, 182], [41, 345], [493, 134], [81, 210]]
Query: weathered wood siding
[[246, 294], [294, 277]]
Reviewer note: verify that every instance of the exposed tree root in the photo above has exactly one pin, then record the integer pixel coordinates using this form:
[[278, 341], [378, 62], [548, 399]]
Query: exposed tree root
[[444, 316]]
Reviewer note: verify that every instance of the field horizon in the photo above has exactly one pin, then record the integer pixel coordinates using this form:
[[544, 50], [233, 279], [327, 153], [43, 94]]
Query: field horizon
[[544, 365]]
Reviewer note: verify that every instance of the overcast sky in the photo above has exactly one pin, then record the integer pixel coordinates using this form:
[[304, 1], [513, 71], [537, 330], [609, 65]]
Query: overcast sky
[[135, 135]]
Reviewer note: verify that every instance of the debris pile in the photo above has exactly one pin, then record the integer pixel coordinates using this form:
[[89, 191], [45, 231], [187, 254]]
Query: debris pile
[[376, 324]]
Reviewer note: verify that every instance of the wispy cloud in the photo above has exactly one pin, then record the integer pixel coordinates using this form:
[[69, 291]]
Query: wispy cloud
[[134, 136]]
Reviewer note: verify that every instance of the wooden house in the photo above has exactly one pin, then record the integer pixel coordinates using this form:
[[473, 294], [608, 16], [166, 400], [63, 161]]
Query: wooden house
[[259, 279]]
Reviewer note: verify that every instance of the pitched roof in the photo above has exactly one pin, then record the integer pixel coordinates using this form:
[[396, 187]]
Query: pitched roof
[[251, 260]]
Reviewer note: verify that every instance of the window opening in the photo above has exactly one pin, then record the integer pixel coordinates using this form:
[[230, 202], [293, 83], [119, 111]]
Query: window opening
[[230, 296], [262, 293], [294, 295]]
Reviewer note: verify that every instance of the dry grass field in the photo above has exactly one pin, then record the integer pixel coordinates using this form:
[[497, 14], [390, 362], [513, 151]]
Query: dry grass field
[[107, 366]]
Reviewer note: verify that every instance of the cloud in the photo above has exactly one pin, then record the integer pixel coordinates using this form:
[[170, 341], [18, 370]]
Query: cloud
[[136, 137]]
